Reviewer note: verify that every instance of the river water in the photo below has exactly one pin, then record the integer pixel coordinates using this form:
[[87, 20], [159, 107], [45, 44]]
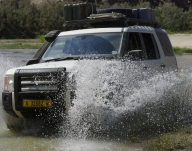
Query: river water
[[154, 106]]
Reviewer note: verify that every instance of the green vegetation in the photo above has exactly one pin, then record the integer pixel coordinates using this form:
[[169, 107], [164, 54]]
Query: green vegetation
[[180, 51], [19, 46], [21, 43], [41, 38], [179, 140], [21, 19]]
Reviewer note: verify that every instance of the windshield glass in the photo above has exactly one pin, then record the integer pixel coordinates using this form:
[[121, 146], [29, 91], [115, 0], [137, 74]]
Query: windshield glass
[[89, 45]]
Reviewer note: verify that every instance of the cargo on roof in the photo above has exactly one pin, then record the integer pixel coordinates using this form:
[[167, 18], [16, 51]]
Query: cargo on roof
[[85, 15]]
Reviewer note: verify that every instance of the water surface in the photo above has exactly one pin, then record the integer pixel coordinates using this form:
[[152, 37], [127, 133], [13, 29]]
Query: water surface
[[135, 105]]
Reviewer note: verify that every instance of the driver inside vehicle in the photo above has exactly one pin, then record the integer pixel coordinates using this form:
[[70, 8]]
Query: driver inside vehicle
[[70, 48], [82, 48]]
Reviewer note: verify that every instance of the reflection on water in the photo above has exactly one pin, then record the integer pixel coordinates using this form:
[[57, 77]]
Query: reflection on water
[[10, 142], [134, 104], [18, 54]]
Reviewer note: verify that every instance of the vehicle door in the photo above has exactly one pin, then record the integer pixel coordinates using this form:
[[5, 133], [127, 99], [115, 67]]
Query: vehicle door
[[143, 50], [168, 56]]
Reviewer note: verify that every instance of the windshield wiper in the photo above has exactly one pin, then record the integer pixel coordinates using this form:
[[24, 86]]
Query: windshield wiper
[[64, 58]]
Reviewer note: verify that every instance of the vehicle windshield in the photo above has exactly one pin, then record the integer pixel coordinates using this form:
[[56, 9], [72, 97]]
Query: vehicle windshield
[[80, 46]]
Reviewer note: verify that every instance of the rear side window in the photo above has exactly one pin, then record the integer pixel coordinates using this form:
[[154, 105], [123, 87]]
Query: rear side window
[[165, 43], [151, 48], [134, 42]]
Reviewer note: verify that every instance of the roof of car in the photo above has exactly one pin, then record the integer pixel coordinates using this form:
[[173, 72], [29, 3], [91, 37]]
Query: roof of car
[[91, 30], [105, 30]]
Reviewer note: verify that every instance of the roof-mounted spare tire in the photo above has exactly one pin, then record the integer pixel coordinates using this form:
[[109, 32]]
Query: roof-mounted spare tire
[[125, 11]]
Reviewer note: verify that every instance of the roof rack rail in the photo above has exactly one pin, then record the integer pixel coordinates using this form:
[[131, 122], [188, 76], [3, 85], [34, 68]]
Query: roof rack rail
[[107, 22]]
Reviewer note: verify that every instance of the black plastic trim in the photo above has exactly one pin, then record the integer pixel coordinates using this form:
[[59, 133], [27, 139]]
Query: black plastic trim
[[52, 35], [7, 105], [108, 22], [39, 53], [19, 96], [10, 112]]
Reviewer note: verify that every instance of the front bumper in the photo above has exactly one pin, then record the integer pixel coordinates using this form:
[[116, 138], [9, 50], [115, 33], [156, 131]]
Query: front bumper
[[35, 85], [7, 103], [59, 106]]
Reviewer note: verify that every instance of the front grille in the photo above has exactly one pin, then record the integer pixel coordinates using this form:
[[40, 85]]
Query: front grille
[[38, 84]]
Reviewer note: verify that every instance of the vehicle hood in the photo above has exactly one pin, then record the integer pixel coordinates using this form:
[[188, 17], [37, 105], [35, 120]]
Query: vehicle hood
[[68, 64]]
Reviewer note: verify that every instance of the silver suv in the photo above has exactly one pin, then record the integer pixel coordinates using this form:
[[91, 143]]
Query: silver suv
[[44, 87]]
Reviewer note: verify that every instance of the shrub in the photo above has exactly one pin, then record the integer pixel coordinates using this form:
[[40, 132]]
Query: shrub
[[21, 19]]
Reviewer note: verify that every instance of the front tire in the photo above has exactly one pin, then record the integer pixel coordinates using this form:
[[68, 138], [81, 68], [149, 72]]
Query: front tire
[[36, 126]]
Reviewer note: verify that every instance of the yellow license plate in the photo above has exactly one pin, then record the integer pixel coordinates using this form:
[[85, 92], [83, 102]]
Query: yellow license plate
[[37, 103]]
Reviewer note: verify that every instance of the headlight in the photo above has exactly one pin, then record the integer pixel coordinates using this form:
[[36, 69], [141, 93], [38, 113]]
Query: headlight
[[8, 83]]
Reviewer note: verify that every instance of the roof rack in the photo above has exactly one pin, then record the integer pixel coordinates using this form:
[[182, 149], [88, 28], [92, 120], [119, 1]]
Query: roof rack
[[107, 22], [110, 17]]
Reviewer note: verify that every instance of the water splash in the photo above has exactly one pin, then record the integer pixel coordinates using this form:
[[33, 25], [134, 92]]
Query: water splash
[[5, 65], [111, 100]]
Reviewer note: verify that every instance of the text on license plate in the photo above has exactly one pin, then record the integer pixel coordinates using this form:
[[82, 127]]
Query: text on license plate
[[37, 103]]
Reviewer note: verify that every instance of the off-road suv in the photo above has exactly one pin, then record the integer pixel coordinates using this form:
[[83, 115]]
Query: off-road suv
[[43, 88]]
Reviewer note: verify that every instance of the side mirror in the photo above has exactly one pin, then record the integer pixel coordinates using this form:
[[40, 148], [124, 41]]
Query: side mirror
[[135, 55]]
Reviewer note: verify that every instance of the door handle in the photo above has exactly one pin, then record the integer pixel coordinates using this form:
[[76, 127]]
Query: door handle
[[162, 65]]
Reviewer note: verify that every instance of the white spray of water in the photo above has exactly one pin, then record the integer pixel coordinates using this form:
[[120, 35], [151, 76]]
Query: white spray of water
[[109, 98], [117, 95], [6, 64]]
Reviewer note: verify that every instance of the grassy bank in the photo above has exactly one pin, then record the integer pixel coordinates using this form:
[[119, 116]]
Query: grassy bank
[[179, 140], [21, 43], [180, 51], [20, 46]]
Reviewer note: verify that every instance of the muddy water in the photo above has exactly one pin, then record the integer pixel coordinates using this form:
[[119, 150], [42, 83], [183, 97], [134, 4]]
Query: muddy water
[[82, 139], [10, 141]]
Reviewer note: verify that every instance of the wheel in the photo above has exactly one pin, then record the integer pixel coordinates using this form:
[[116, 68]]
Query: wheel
[[125, 11], [46, 126], [22, 125]]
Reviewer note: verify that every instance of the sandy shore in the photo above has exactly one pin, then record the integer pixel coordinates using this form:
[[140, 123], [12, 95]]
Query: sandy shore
[[181, 40]]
